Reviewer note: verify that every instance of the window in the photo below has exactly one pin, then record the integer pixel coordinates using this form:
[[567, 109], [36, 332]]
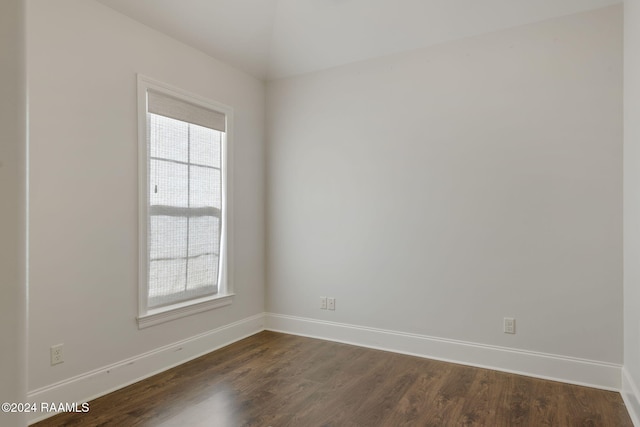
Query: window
[[184, 190]]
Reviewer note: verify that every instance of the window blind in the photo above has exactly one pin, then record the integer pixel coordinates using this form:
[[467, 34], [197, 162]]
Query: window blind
[[164, 105]]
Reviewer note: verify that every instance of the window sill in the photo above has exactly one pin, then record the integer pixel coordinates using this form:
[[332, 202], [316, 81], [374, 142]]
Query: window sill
[[176, 311]]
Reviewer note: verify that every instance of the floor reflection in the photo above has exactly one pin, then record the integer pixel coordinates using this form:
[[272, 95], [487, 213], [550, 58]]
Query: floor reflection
[[217, 410]]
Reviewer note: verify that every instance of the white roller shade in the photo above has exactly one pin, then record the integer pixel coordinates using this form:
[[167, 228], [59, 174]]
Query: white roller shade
[[167, 106]]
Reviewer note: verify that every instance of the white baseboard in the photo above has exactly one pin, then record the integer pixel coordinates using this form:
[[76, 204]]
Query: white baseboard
[[631, 396], [99, 382], [571, 370]]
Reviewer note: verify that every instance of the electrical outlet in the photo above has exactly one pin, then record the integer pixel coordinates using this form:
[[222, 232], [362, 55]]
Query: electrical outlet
[[56, 354], [323, 303], [331, 303], [509, 325]]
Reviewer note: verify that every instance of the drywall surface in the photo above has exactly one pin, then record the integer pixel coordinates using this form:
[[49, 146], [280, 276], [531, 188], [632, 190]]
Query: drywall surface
[[632, 205], [311, 35], [83, 58], [438, 191], [13, 148]]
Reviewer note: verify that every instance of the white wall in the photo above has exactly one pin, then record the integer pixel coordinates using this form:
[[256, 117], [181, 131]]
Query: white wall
[[632, 208], [436, 192], [13, 313], [83, 58]]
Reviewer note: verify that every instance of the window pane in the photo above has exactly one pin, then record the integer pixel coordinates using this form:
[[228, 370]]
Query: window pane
[[205, 187], [168, 183], [167, 277], [203, 272], [204, 235], [205, 146], [167, 237], [169, 138]]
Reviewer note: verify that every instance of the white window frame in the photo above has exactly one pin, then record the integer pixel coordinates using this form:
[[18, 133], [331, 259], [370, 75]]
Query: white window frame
[[146, 316]]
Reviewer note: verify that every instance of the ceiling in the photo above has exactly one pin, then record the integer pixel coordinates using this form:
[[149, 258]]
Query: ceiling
[[271, 39]]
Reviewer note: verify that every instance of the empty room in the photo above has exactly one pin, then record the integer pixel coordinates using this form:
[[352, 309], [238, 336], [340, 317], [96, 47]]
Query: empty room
[[320, 213]]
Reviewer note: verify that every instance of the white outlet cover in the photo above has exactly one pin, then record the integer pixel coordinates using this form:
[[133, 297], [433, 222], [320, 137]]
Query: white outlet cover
[[57, 355], [509, 325]]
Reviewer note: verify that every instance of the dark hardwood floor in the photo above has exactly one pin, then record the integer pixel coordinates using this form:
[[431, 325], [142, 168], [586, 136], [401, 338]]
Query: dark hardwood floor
[[273, 379]]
